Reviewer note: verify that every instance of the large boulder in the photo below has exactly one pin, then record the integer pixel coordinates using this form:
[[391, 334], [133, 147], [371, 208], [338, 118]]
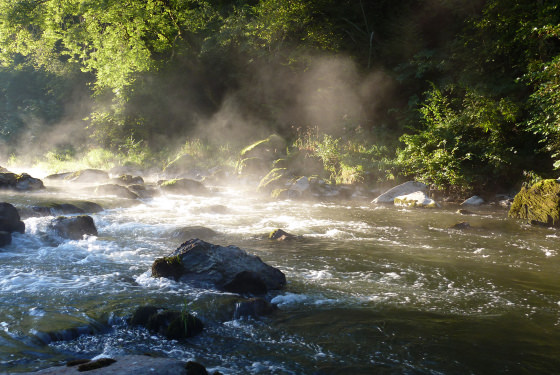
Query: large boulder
[[115, 190], [74, 227], [403, 189], [127, 179], [9, 219], [416, 199], [225, 267], [539, 204], [183, 186], [22, 182]]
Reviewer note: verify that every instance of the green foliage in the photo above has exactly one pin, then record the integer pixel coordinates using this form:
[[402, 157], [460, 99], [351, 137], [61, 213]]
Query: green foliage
[[466, 140]]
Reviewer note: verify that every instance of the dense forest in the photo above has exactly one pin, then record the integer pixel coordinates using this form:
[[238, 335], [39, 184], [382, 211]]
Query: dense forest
[[463, 95]]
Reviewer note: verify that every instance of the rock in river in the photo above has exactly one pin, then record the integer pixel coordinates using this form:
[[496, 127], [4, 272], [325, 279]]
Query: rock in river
[[403, 189], [74, 227], [225, 267], [540, 204], [9, 219]]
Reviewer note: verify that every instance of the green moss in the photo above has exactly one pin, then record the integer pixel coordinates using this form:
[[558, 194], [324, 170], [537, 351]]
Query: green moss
[[540, 204], [170, 267], [169, 182]]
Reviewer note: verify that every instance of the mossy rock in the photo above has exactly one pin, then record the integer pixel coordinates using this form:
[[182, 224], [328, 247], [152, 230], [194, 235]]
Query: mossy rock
[[539, 205], [174, 325], [183, 186], [169, 267]]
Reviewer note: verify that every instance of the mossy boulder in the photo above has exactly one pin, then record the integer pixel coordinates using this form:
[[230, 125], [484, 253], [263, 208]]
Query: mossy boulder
[[539, 204], [174, 325], [183, 186], [22, 182]]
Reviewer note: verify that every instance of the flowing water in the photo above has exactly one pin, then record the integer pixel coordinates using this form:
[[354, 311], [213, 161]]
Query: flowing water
[[371, 290]]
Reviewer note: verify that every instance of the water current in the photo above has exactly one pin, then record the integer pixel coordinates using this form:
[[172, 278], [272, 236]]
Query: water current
[[371, 289]]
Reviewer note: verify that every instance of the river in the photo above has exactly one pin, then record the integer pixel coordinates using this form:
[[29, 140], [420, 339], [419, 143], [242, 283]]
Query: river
[[371, 290]]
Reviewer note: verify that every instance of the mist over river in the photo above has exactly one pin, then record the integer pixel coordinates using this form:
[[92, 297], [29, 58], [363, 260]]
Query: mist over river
[[370, 289]]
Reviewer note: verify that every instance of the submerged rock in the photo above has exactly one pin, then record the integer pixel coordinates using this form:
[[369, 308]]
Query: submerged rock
[[540, 204], [173, 325], [462, 211], [121, 365], [74, 227], [403, 189], [416, 199], [280, 235], [461, 226], [202, 262], [10, 220], [253, 307]]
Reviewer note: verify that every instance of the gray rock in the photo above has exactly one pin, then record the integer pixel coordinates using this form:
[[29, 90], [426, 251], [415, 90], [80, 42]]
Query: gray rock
[[22, 182], [116, 190], [473, 201], [125, 365], [183, 186], [88, 176], [416, 199], [202, 262], [10, 220], [403, 189], [74, 227]]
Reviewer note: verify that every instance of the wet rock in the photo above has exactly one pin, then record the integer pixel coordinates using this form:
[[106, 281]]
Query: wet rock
[[473, 201], [539, 204], [461, 226], [22, 182], [123, 365], [143, 191], [116, 190], [88, 176], [5, 238], [253, 307], [61, 208], [202, 262], [416, 199], [246, 282], [280, 235], [464, 212], [403, 189], [74, 227], [127, 179], [195, 368], [174, 325], [59, 176], [10, 220], [183, 186]]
